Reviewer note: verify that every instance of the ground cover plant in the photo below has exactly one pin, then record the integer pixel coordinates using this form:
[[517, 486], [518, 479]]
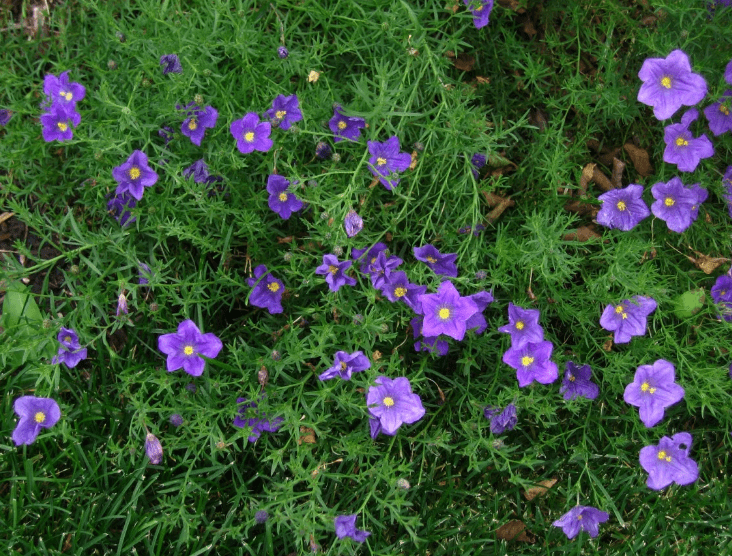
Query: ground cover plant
[[374, 277]]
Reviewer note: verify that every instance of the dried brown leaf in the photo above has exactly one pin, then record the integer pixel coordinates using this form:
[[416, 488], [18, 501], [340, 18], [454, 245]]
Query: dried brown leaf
[[463, 62], [514, 530], [608, 345], [618, 168], [376, 355], [583, 233], [307, 436], [540, 489], [5, 216], [482, 80], [640, 159], [706, 263], [413, 164]]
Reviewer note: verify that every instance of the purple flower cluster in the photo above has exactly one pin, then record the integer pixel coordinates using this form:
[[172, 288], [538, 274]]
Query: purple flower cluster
[[259, 423], [501, 419], [481, 10], [70, 352], [59, 107], [529, 353], [628, 318]]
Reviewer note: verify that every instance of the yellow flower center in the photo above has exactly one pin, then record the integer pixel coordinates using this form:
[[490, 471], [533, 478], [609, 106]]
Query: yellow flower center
[[343, 366], [134, 173], [579, 517], [188, 350], [388, 401], [249, 136], [39, 417], [520, 325], [280, 114], [192, 125], [282, 197], [444, 313], [332, 269], [67, 339], [681, 142], [431, 260], [669, 202], [570, 378], [380, 161], [662, 455], [621, 205], [400, 292], [527, 360], [273, 287], [724, 110], [666, 82], [62, 126], [341, 125], [68, 96], [619, 309]]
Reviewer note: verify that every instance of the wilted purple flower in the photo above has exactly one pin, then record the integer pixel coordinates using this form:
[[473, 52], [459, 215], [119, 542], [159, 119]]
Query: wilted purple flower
[[345, 526], [719, 115], [501, 419], [134, 175], [628, 318], [322, 150], [523, 326], [446, 312], [261, 516], [653, 389], [285, 111], [577, 382], [581, 518], [70, 352], [191, 387], [334, 272], [144, 274], [477, 161], [282, 52], [477, 229], [346, 364], [668, 83], [440, 264], [171, 64], [386, 160], [57, 122], [481, 10], [60, 90], [166, 133], [5, 116], [119, 206], [281, 200], [380, 270], [185, 347], [259, 423], [345, 127], [198, 120], [481, 275], [669, 462], [622, 208], [267, 292], [153, 449], [391, 403], [199, 171], [353, 223], [35, 414], [682, 148], [176, 420], [250, 134], [532, 363], [122, 305], [674, 204]]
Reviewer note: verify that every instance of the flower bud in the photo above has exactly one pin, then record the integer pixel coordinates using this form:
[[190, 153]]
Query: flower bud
[[153, 449]]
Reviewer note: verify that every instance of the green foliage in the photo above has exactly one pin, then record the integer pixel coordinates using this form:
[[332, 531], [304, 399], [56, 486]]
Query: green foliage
[[562, 77]]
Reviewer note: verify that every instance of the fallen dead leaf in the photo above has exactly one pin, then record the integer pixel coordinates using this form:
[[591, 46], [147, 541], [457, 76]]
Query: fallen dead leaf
[[514, 530], [706, 263], [608, 345], [453, 7], [413, 164], [529, 28], [308, 436], [640, 159], [540, 489], [376, 355], [514, 5], [482, 80], [583, 233], [463, 62], [617, 177], [5, 216], [313, 76]]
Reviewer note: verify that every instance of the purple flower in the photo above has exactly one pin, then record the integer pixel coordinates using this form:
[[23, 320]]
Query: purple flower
[[353, 223], [70, 352], [674, 204], [382, 268], [5, 116], [577, 382], [481, 10], [532, 363], [323, 150], [281, 200], [282, 52], [581, 518], [346, 364], [345, 526], [144, 274], [369, 256], [440, 264], [250, 134], [185, 347], [397, 288], [119, 206], [501, 420], [195, 125], [446, 312], [57, 122], [267, 292], [523, 326], [669, 462], [391, 403], [134, 175], [68, 338], [166, 133], [334, 272], [345, 127], [412, 298], [628, 318], [721, 290], [259, 423], [668, 83], [477, 321], [171, 63], [60, 91], [285, 111], [199, 171], [176, 420], [682, 148], [701, 196], [35, 414], [261, 516], [622, 208], [653, 389], [122, 305], [386, 160], [430, 344], [153, 449], [718, 114], [478, 161]]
